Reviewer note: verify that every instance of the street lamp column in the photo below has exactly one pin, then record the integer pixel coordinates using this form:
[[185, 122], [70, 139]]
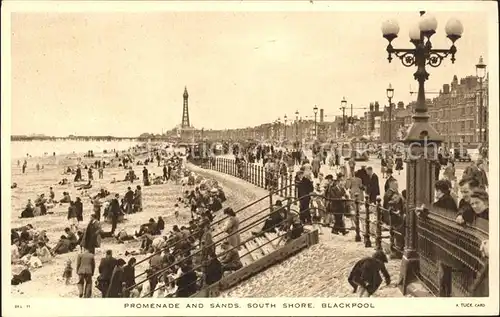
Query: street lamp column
[[315, 110], [343, 104], [297, 125], [390, 94], [284, 128], [422, 139], [481, 73]]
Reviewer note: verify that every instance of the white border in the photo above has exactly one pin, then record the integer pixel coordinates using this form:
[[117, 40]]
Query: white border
[[388, 307]]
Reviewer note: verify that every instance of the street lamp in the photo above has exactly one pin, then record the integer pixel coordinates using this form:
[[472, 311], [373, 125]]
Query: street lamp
[[481, 74], [450, 117], [279, 129], [297, 125], [390, 94], [285, 118], [343, 105], [422, 139], [315, 110]]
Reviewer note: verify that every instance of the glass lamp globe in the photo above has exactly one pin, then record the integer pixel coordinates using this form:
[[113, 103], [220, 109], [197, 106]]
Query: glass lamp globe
[[454, 29], [414, 33], [390, 29], [481, 68], [428, 23], [343, 103], [390, 91]]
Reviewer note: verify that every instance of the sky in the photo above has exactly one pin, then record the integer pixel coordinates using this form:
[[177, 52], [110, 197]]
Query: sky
[[123, 74]]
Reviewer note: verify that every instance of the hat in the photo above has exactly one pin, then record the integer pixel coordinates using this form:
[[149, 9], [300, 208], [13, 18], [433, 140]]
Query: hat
[[479, 161], [329, 176], [389, 171], [214, 190]]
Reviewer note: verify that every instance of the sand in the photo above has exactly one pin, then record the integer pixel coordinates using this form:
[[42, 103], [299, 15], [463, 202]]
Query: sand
[[158, 200]]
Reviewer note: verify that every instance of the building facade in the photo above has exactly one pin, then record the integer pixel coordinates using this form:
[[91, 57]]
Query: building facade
[[455, 113]]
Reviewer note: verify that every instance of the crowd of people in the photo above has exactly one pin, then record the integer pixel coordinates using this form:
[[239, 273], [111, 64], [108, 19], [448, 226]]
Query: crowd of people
[[171, 250], [184, 259]]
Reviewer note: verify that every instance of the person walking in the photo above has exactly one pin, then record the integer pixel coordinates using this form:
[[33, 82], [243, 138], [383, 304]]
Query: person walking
[[85, 268]]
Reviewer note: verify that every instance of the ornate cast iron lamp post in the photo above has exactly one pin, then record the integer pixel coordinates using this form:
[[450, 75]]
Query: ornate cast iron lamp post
[[284, 127], [422, 139], [315, 110], [390, 94], [297, 125], [343, 105], [481, 74]]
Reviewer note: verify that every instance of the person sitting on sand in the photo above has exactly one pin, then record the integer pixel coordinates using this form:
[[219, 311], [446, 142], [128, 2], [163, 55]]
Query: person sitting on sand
[[230, 258], [62, 246], [151, 227], [28, 211], [63, 181], [14, 185], [14, 251], [85, 186], [43, 253], [14, 235], [66, 198], [123, 236], [160, 224], [72, 238]]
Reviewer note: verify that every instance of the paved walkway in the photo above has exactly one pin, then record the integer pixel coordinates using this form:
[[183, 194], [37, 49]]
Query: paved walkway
[[321, 270], [375, 164]]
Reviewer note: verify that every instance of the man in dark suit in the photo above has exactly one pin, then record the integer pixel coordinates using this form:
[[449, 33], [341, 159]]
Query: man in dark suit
[[90, 237], [372, 188], [85, 267], [389, 179], [335, 196], [106, 268]]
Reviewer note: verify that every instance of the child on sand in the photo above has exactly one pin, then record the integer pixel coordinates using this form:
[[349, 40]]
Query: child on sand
[[68, 271], [365, 275]]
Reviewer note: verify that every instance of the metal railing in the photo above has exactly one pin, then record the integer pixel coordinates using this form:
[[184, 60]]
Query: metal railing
[[443, 249], [246, 228]]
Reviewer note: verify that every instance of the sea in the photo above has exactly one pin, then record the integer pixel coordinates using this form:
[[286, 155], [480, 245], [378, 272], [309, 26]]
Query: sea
[[21, 149]]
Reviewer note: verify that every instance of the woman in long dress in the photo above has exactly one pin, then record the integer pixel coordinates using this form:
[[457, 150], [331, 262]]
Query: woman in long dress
[[138, 199], [232, 226]]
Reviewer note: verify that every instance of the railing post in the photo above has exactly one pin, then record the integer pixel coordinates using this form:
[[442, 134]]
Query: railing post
[[368, 242], [250, 172], [224, 166], [262, 177], [357, 238], [391, 231], [378, 237], [247, 174], [257, 174], [291, 188], [284, 183]]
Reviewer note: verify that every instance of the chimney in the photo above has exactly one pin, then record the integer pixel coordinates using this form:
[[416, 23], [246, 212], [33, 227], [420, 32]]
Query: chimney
[[371, 107], [377, 106], [446, 89], [321, 115]]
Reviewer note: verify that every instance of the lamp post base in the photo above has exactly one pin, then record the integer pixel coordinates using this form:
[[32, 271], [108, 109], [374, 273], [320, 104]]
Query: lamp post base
[[410, 267]]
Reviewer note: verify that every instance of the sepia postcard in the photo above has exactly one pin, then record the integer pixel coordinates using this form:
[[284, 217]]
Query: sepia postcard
[[243, 158]]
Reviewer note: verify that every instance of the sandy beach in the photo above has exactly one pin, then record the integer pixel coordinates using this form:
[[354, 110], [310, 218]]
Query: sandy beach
[[158, 200]]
